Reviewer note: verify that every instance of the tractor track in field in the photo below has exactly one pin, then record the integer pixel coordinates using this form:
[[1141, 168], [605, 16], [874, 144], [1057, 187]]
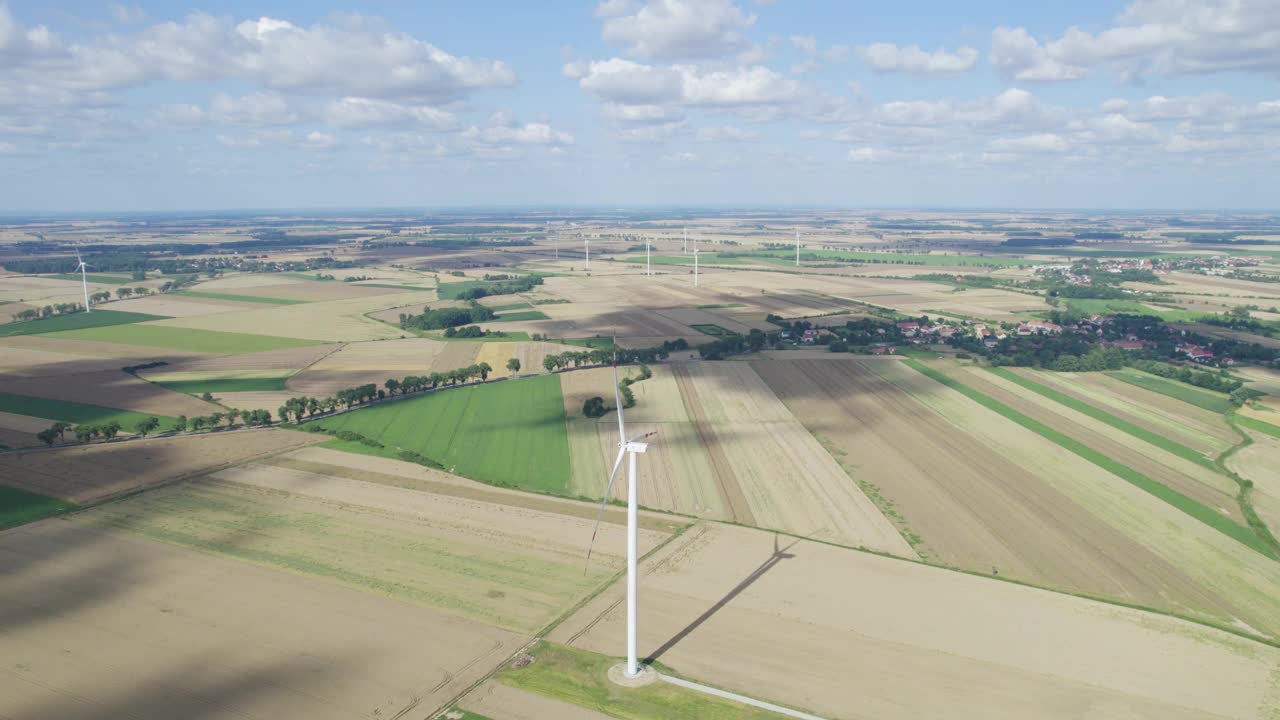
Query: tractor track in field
[[726, 482]]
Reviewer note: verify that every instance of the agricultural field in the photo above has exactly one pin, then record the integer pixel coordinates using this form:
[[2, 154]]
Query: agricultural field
[[75, 321], [92, 473], [18, 507], [509, 433], [745, 610], [237, 298], [354, 364], [75, 412], [181, 338]]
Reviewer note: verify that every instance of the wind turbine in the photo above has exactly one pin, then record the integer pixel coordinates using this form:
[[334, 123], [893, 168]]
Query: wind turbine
[[586, 252], [695, 264], [684, 246], [84, 281], [631, 447]]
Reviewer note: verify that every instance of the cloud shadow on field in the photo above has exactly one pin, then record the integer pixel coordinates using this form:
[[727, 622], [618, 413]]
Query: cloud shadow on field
[[779, 554]]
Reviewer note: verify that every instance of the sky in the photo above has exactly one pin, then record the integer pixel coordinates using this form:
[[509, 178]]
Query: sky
[[1162, 104]]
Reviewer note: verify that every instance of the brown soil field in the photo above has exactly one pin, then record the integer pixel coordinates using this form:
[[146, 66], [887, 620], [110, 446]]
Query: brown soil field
[[284, 359], [763, 456], [269, 400], [455, 354], [315, 291], [229, 284], [1199, 483], [500, 564], [45, 291], [366, 362], [1201, 430], [90, 473], [1126, 543], [111, 388], [14, 439], [692, 316], [1238, 335], [179, 306], [1261, 379], [104, 624], [496, 701], [30, 362], [24, 424], [853, 635], [329, 321]]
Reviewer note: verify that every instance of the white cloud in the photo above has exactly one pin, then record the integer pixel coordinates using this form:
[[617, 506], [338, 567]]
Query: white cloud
[[1039, 143], [1170, 37], [317, 140], [356, 112], [528, 134], [8, 148], [677, 29], [632, 83], [725, 134], [871, 155], [127, 14], [887, 57], [650, 134], [622, 112], [258, 109]]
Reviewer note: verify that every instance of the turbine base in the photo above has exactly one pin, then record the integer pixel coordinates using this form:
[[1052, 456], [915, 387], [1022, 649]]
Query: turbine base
[[618, 676]]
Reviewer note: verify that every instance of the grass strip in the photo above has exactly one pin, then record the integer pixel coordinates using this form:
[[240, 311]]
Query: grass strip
[[1258, 425], [1207, 399], [180, 338], [75, 321], [18, 507], [1124, 426], [238, 298], [94, 278], [580, 678], [1200, 512], [224, 385], [525, 315], [1245, 496]]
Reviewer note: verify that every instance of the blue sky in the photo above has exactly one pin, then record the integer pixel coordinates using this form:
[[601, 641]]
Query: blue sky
[[159, 106]]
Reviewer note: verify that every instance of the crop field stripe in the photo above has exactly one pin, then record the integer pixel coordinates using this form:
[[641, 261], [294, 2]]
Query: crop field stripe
[[18, 507], [93, 278], [76, 321], [525, 315], [180, 338], [238, 298], [1206, 399], [1258, 425], [1124, 426], [74, 412], [1196, 510], [214, 385]]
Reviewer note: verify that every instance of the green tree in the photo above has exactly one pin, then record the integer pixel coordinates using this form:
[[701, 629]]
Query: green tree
[[283, 412], [206, 396], [513, 365], [197, 423], [180, 425], [231, 416], [483, 370], [85, 433], [392, 385], [594, 407], [47, 436], [111, 429], [143, 427]]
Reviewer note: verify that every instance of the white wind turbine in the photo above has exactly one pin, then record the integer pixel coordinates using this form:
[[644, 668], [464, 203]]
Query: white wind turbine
[[84, 280], [631, 447], [586, 252], [684, 246], [695, 262]]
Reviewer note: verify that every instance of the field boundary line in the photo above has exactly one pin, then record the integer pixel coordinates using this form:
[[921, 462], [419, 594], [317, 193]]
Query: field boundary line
[[1246, 486], [1242, 534], [725, 694]]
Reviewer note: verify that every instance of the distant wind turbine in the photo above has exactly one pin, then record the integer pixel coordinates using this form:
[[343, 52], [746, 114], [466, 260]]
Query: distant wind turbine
[[684, 246], [586, 252], [631, 447], [695, 264], [84, 280]]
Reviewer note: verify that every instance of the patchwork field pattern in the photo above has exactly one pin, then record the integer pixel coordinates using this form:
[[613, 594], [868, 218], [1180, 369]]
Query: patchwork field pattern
[[179, 338]]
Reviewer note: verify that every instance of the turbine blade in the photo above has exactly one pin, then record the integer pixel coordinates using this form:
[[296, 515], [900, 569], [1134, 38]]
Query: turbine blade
[[617, 395], [622, 450]]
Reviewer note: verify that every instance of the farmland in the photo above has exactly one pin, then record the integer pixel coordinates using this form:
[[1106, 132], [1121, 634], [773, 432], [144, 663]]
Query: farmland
[[510, 433], [912, 528], [208, 341], [75, 321]]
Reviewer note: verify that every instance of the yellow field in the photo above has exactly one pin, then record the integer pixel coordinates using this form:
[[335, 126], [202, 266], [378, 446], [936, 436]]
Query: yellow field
[[330, 321]]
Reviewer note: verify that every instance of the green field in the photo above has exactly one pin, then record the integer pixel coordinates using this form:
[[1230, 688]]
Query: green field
[[75, 321], [715, 330], [1258, 425], [581, 678], [18, 507], [1207, 399], [1095, 306], [525, 315], [512, 306], [1124, 426], [208, 341], [74, 412], [224, 385], [238, 298], [95, 278], [509, 433], [1203, 513]]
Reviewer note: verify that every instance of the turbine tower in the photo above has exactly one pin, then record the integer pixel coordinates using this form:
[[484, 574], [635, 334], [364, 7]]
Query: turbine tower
[[684, 246], [84, 281], [631, 447], [695, 265], [586, 252]]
